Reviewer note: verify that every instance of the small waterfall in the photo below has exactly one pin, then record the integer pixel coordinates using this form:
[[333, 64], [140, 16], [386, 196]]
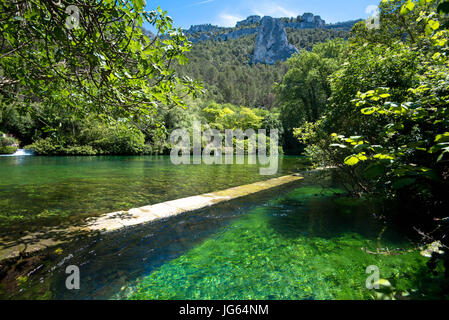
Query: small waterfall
[[20, 152], [23, 152]]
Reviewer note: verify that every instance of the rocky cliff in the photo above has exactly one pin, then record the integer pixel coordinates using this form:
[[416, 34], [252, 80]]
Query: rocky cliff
[[249, 26], [306, 21], [248, 21], [271, 42]]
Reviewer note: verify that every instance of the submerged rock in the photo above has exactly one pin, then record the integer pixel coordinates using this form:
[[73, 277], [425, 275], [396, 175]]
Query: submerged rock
[[271, 42]]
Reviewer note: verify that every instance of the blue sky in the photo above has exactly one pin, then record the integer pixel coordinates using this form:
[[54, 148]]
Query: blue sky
[[226, 12]]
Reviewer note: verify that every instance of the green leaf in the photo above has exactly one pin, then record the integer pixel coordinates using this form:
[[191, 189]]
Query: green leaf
[[138, 4], [446, 150], [406, 8], [369, 111], [434, 25], [352, 160], [442, 137]]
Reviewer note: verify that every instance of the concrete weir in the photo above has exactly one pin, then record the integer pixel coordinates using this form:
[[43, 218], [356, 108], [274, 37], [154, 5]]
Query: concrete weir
[[110, 222]]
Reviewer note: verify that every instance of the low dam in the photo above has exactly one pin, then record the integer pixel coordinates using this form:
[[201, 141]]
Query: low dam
[[115, 221]]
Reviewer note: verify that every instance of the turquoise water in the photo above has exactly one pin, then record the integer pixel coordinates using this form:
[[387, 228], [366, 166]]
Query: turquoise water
[[42, 191], [302, 241], [302, 246], [305, 241]]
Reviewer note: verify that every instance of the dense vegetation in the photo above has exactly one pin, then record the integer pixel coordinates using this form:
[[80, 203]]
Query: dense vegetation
[[8, 145], [385, 122], [305, 39], [224, 67], [62, 64], [302, 96]]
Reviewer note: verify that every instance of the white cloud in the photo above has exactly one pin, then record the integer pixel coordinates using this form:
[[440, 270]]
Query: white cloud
[[228, 20], [371, 9], [231, 16], [199, 3], [270, 8]]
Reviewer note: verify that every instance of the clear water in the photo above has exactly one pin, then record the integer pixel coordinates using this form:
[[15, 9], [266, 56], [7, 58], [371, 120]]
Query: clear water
[[41, 191], [300, 242], [302, 246]]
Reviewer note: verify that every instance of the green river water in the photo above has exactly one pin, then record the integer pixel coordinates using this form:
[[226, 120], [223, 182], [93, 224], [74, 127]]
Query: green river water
[[307, 241], [42, 191]]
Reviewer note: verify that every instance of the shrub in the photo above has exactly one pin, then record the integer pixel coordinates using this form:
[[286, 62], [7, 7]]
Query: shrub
[[46, 147], [8, 141], [49, 147], [120, 139], [8, 145], [96, 138], [8, 150], [79, 151]]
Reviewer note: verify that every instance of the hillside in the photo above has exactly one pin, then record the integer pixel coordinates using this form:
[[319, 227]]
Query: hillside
[[252, 24], [223, 58]]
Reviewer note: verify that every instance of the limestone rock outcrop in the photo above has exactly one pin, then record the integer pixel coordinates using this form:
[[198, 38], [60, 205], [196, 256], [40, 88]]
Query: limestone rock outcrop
[[249, 26], [272, 43], [306, 21], [204, 28], [251, 20]]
